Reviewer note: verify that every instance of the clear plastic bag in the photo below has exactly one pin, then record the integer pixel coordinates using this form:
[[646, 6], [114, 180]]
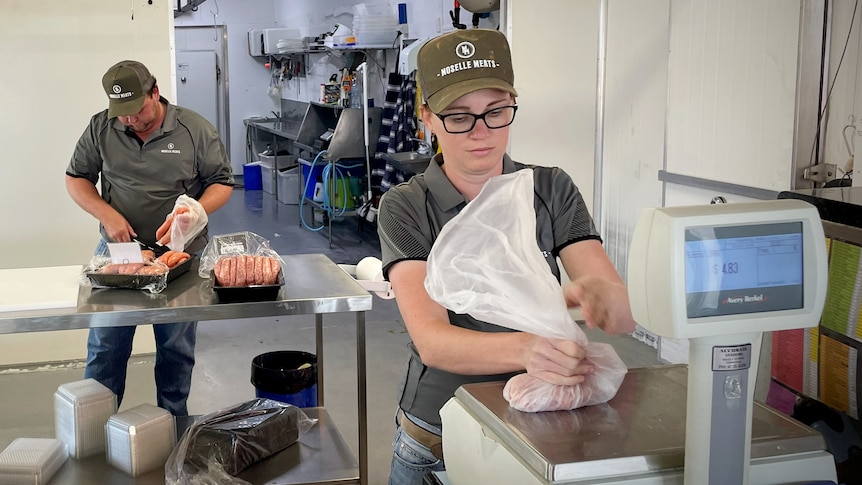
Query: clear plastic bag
[[234, 244], [467, 274], [183, 224], [218, 446], [100, 272]]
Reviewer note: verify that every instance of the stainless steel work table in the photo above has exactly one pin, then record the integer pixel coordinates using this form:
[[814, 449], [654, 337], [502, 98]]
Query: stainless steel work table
[[288, 129], [313, 285]]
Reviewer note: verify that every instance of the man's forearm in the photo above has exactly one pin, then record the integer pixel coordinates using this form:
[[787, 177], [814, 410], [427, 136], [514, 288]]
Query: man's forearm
[[84, 193], [214, 197]]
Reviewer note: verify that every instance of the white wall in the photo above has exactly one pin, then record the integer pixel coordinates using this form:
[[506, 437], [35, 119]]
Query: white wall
[[635, 106], [54, 54], [554, 55], [52, 85], [731, 91]]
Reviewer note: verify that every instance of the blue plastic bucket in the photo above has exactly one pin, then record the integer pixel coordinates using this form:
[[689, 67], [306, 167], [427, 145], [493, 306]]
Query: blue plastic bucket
[[284, 376], [315, 175], [251, 176]]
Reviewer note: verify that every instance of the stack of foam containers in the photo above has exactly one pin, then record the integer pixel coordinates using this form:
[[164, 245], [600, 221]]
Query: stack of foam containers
[[81, 409], [140, 439], [374, 25], [32, 461]]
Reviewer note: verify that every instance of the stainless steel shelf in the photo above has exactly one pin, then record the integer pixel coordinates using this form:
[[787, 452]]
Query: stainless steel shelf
[[321, 456]]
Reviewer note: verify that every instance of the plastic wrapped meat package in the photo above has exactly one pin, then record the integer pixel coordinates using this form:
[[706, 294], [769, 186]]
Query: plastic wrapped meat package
[[157, 268], [220, 445], [242, 267], [467, 275], [235, 245], [150, 276]]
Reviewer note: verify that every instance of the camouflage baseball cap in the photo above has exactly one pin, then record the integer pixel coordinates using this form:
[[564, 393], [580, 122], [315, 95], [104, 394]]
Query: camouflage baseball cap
[[126, 83], [463, 61]]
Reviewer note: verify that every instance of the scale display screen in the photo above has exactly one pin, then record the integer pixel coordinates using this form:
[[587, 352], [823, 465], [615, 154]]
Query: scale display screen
[[743, 269]]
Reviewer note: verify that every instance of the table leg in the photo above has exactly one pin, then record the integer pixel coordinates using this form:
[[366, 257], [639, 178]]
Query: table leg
[[329, 183], [363, 411], [318, 339], [275, 169]]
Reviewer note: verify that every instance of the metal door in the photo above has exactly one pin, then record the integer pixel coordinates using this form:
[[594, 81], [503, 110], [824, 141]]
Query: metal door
[[197, 84]]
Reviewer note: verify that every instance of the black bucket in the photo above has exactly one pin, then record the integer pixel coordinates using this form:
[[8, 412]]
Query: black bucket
[[284, 376]]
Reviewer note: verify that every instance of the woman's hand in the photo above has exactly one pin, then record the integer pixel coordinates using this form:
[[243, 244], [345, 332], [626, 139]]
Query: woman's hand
[[604, 304], [556, 361]]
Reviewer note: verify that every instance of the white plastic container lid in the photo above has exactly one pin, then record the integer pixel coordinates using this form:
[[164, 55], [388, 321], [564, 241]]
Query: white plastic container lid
[[139, 418], [31, 461], [140, 439], [84, 392]]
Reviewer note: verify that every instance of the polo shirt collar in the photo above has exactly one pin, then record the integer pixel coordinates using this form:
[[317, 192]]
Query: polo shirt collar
[[444, 192], [168, 124]]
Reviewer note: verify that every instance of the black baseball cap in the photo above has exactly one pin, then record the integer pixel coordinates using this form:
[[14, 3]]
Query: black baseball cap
[[127, 83]]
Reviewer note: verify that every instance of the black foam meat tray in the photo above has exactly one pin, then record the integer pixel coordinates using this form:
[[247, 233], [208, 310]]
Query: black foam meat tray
[[237, 294], [136, 281]]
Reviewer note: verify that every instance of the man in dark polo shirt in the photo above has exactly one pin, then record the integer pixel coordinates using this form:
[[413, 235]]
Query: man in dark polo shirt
[[467, 80], [147, 152]]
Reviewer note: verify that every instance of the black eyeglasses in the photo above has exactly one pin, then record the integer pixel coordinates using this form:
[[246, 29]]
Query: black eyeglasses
[[456, 123]]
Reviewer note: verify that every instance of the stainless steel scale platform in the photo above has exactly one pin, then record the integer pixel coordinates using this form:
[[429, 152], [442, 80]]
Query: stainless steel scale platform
[[638, 437]]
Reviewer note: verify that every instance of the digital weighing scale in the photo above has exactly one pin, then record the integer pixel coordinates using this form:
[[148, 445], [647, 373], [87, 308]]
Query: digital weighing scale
[[719, 275]]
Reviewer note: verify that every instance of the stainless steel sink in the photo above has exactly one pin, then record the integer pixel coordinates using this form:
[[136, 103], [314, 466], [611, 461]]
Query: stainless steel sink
[[264, 120], [413, 162], [287, 128]]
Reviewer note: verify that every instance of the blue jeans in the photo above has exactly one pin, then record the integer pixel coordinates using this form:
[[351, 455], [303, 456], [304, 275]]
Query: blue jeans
[[411, 460], [109, 348]]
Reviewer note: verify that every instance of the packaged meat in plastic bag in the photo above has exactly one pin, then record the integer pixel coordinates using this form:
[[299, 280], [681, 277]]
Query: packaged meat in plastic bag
[[149, 275], [467, 274], [245, 243], [220, 445], [183, 224]]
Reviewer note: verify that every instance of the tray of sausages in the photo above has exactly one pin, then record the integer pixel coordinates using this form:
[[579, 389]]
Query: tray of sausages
[[153, 273], [242, 278]]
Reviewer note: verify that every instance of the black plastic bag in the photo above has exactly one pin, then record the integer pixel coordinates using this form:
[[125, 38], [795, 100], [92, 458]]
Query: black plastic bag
[[218, 446]]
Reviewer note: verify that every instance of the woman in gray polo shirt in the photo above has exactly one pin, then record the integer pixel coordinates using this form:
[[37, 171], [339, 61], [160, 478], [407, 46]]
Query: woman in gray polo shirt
[[467, 80]]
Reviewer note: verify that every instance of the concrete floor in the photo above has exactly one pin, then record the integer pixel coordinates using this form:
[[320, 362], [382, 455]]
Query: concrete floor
[[226, 348]]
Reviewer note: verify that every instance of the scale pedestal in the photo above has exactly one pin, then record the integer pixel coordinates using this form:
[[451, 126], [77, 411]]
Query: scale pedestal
[[719, 410], [636, 438]]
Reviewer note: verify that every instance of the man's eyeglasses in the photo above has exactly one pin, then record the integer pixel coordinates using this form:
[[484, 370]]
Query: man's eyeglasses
[[456, 123]]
